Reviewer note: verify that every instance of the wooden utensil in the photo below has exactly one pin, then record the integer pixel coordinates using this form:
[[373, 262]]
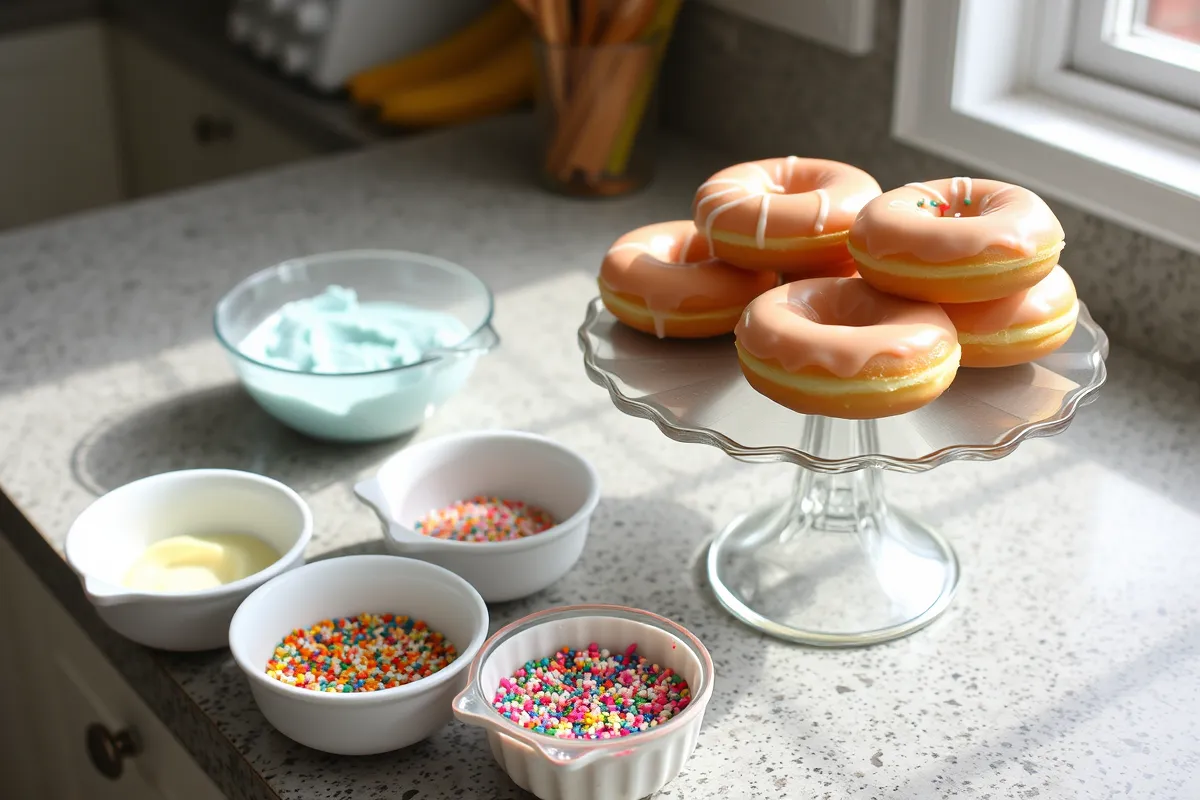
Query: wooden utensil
[[598, 88]]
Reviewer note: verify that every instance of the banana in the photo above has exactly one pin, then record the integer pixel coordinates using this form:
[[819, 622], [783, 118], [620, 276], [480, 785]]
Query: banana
[[460, 51], [497, 84]]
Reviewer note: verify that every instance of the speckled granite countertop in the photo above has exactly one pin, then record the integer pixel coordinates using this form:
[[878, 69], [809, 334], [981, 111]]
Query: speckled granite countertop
[[1068, 666]]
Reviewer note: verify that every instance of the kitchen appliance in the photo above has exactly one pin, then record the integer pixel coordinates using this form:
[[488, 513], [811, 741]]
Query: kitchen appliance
[[327, 41]]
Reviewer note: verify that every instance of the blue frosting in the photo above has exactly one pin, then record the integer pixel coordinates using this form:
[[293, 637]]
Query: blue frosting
[[333, 333]]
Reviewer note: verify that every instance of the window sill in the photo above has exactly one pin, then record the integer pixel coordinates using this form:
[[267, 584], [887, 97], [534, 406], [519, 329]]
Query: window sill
[[1106, 165]]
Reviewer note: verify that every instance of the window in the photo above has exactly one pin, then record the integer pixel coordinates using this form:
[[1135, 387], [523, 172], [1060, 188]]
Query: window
[[1149, 45], [1096, 102]]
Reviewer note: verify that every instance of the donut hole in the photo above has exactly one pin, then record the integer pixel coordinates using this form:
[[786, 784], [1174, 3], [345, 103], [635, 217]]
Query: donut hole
[[673, 249], [844, 302], [691, 250], [803, 182], [962, 209]]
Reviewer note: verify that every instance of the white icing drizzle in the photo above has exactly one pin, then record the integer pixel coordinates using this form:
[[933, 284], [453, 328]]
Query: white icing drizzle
[[791, 167], [822, 211], [660, 325], [760, 233], [770, 184], [932, 192], [716, 212], [714, 196], [965, 183], [778, 171]]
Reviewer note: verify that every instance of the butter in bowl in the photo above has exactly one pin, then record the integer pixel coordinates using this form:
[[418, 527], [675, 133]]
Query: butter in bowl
[[166, 560], [359, 345]]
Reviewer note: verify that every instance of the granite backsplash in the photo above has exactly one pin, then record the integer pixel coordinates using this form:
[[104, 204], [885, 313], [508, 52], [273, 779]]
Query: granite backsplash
[[756, 92]]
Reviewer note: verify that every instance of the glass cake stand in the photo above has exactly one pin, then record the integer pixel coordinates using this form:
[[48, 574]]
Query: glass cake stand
[[835, 564]]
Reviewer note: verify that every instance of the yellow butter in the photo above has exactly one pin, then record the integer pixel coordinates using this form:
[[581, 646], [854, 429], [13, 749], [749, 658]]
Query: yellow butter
[[193, 563]]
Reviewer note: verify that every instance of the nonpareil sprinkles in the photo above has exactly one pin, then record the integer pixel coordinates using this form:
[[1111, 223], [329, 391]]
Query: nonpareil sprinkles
[[365, 653], [591, 694], [485, 519]]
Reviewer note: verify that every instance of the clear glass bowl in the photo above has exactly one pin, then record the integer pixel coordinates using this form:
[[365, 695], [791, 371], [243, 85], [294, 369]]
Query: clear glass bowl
[[359, 406]]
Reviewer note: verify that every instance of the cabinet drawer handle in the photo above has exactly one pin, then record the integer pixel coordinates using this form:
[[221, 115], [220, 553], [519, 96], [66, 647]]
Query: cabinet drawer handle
[[109, 750], [208, 128]]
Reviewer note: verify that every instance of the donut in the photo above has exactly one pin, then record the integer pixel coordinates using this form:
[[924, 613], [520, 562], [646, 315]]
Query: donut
[[1018, 328], [841, 348], [840, 269], [660, 279], [781, 214], [957, 240]]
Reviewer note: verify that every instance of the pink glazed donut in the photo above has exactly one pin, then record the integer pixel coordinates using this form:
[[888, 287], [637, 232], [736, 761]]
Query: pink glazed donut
[[659, 279], [840, 348], [957, 240], [1018, 328], [782, 214]]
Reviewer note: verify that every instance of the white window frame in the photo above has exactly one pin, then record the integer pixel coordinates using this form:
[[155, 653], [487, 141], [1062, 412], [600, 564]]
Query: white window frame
[[1108, 46], [1024, 113]]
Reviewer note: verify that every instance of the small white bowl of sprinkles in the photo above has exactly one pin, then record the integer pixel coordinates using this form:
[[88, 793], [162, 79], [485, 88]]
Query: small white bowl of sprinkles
[[359, 654], [590, 702], [485, 505]]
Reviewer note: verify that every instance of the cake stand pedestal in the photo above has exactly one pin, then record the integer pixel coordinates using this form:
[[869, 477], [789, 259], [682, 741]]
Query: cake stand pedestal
[[834, 564]]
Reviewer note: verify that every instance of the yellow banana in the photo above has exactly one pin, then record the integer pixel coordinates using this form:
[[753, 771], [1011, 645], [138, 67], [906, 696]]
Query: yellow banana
[[497, 84], [460, 51]]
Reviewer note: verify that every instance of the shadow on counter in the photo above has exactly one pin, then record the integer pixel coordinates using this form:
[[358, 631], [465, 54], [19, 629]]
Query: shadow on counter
[[220, 427]]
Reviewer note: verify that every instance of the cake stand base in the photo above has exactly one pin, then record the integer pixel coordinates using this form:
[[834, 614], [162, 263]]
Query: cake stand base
[[834, 565], [830, 588]]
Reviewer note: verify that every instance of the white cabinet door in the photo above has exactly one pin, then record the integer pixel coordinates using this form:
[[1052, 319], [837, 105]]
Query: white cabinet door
[[179, 131], [58, 140], [22, 741], [74, 690]]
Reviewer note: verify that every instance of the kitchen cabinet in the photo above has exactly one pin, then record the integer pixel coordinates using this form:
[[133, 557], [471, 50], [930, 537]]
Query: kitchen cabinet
[[69, 716], [58, 130], [177, 130]]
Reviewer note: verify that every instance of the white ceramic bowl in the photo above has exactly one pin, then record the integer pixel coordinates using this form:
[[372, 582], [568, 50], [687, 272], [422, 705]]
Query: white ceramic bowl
[[106, 539], [367, 722], [627, 768], [508, 464]]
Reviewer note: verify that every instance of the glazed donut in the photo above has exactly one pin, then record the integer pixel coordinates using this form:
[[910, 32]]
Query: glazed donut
[[1018, 328], [659, 279], [957, 240], [840, 269], [841, 348], [781, 214]]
